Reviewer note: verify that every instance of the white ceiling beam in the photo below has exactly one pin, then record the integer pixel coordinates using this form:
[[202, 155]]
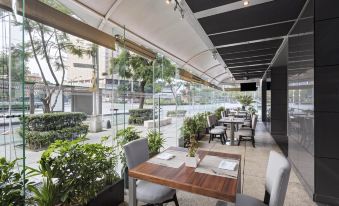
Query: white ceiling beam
[[227, 8], [114, 6]]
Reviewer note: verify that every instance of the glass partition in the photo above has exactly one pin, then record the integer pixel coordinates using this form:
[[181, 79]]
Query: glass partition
[[15, 103]]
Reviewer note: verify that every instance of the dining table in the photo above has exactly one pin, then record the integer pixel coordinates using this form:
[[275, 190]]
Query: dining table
[[233, 121], [188, 178]]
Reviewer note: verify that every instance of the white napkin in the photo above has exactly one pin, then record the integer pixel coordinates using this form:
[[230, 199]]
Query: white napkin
[[227, 165], [165, 156]]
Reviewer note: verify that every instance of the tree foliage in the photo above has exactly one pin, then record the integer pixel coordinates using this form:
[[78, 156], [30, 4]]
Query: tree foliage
[[137, 68]]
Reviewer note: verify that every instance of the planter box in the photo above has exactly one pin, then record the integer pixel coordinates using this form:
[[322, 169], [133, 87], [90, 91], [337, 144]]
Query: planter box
[[111, 196]]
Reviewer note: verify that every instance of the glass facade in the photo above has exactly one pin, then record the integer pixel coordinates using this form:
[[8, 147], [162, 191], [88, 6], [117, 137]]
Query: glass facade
[[301, 97]]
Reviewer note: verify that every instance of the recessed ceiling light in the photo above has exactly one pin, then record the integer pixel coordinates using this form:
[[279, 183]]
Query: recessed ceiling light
[[246, 3], [168, 1]]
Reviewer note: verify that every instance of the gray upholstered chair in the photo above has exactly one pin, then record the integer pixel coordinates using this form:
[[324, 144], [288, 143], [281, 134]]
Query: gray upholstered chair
[[248, 134], [214, 130], [277, 177], [136, 153]]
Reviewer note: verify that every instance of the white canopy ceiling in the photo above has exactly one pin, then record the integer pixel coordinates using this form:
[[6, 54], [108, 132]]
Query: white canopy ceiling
[[155, 25]]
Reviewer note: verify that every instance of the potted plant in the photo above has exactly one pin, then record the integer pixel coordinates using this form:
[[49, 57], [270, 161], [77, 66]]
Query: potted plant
[[245, 100], [192, 159], [251, 110], [218, 111], [155, 142], [11, 183], [123, 137], [77, 173], [201, 122]]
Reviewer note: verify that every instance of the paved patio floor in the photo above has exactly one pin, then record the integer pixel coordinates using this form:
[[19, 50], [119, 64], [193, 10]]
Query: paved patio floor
[[254, 162]]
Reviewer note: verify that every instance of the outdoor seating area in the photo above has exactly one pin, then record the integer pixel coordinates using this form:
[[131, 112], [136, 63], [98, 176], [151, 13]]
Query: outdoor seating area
[[169, 103]]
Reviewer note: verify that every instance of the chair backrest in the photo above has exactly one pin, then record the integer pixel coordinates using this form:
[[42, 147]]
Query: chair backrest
[[210, 121], [277, 177], [136, 152], [254, 121], [223, 114]]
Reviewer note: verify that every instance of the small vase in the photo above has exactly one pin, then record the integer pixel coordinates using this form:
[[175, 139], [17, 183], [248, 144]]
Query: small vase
[[191, 162]]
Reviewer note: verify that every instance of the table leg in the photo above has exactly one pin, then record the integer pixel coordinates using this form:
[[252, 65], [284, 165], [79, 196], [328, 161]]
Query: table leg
[[132, 191], [232, 134]]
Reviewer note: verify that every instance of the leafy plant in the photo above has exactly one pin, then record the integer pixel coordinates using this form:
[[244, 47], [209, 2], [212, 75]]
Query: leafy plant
[[125, 136], [155, 141], [252, 110], [218, 111], [11, 184], [245, 100], [48, 194], [193, 146], [81, 171], [193, 126]]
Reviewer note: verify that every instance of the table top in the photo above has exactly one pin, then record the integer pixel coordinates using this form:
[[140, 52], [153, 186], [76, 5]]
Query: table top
[[185, 178], [232, 120]]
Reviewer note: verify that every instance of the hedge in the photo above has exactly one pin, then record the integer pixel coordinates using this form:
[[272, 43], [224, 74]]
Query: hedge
[[179, 113], [53, 121], [41, 130], [138, 116]]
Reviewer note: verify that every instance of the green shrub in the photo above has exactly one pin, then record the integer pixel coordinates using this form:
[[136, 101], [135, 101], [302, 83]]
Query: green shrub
[[43, 129], [42, 139], [53, 121], [218, 112], [179, 113], [11, 184], [138, 116], [80, 171]]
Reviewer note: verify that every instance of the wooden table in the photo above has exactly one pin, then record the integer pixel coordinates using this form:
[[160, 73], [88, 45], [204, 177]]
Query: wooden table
[[232, 121], [184, 178]]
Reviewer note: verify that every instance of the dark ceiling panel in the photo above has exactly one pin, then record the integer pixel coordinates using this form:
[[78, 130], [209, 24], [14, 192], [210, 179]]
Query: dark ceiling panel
[[200, 5], [249, 68], [267, 13], [250, 54], [264, 61], [251, 46], [249, 76], [249, 59], [251, 34]]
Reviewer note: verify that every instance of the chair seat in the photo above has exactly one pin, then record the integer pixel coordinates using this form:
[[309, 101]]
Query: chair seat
[[217, 131], [153, 193], [220, 127], [243, 200]]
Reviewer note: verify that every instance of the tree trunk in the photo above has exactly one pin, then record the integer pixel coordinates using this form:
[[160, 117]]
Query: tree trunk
[[46, 107], [142, 98]]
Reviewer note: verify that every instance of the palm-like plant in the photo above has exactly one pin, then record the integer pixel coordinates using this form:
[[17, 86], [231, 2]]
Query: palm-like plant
[[155, 142], [245, 100]]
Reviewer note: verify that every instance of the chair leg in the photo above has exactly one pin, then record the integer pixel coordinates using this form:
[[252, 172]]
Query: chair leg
[[253, 141], [175, 199], [239, 140], [210, 138]]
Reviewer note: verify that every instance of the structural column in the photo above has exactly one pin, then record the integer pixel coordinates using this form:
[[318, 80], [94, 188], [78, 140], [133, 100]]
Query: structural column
[[279, 107], [326, 102]]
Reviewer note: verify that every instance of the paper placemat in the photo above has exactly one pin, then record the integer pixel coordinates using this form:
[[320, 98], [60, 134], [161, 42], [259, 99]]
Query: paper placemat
[[175, 162], [209, 165]]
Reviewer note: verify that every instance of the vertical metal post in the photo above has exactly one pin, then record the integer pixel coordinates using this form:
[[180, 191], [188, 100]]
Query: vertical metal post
[[132, 192]]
